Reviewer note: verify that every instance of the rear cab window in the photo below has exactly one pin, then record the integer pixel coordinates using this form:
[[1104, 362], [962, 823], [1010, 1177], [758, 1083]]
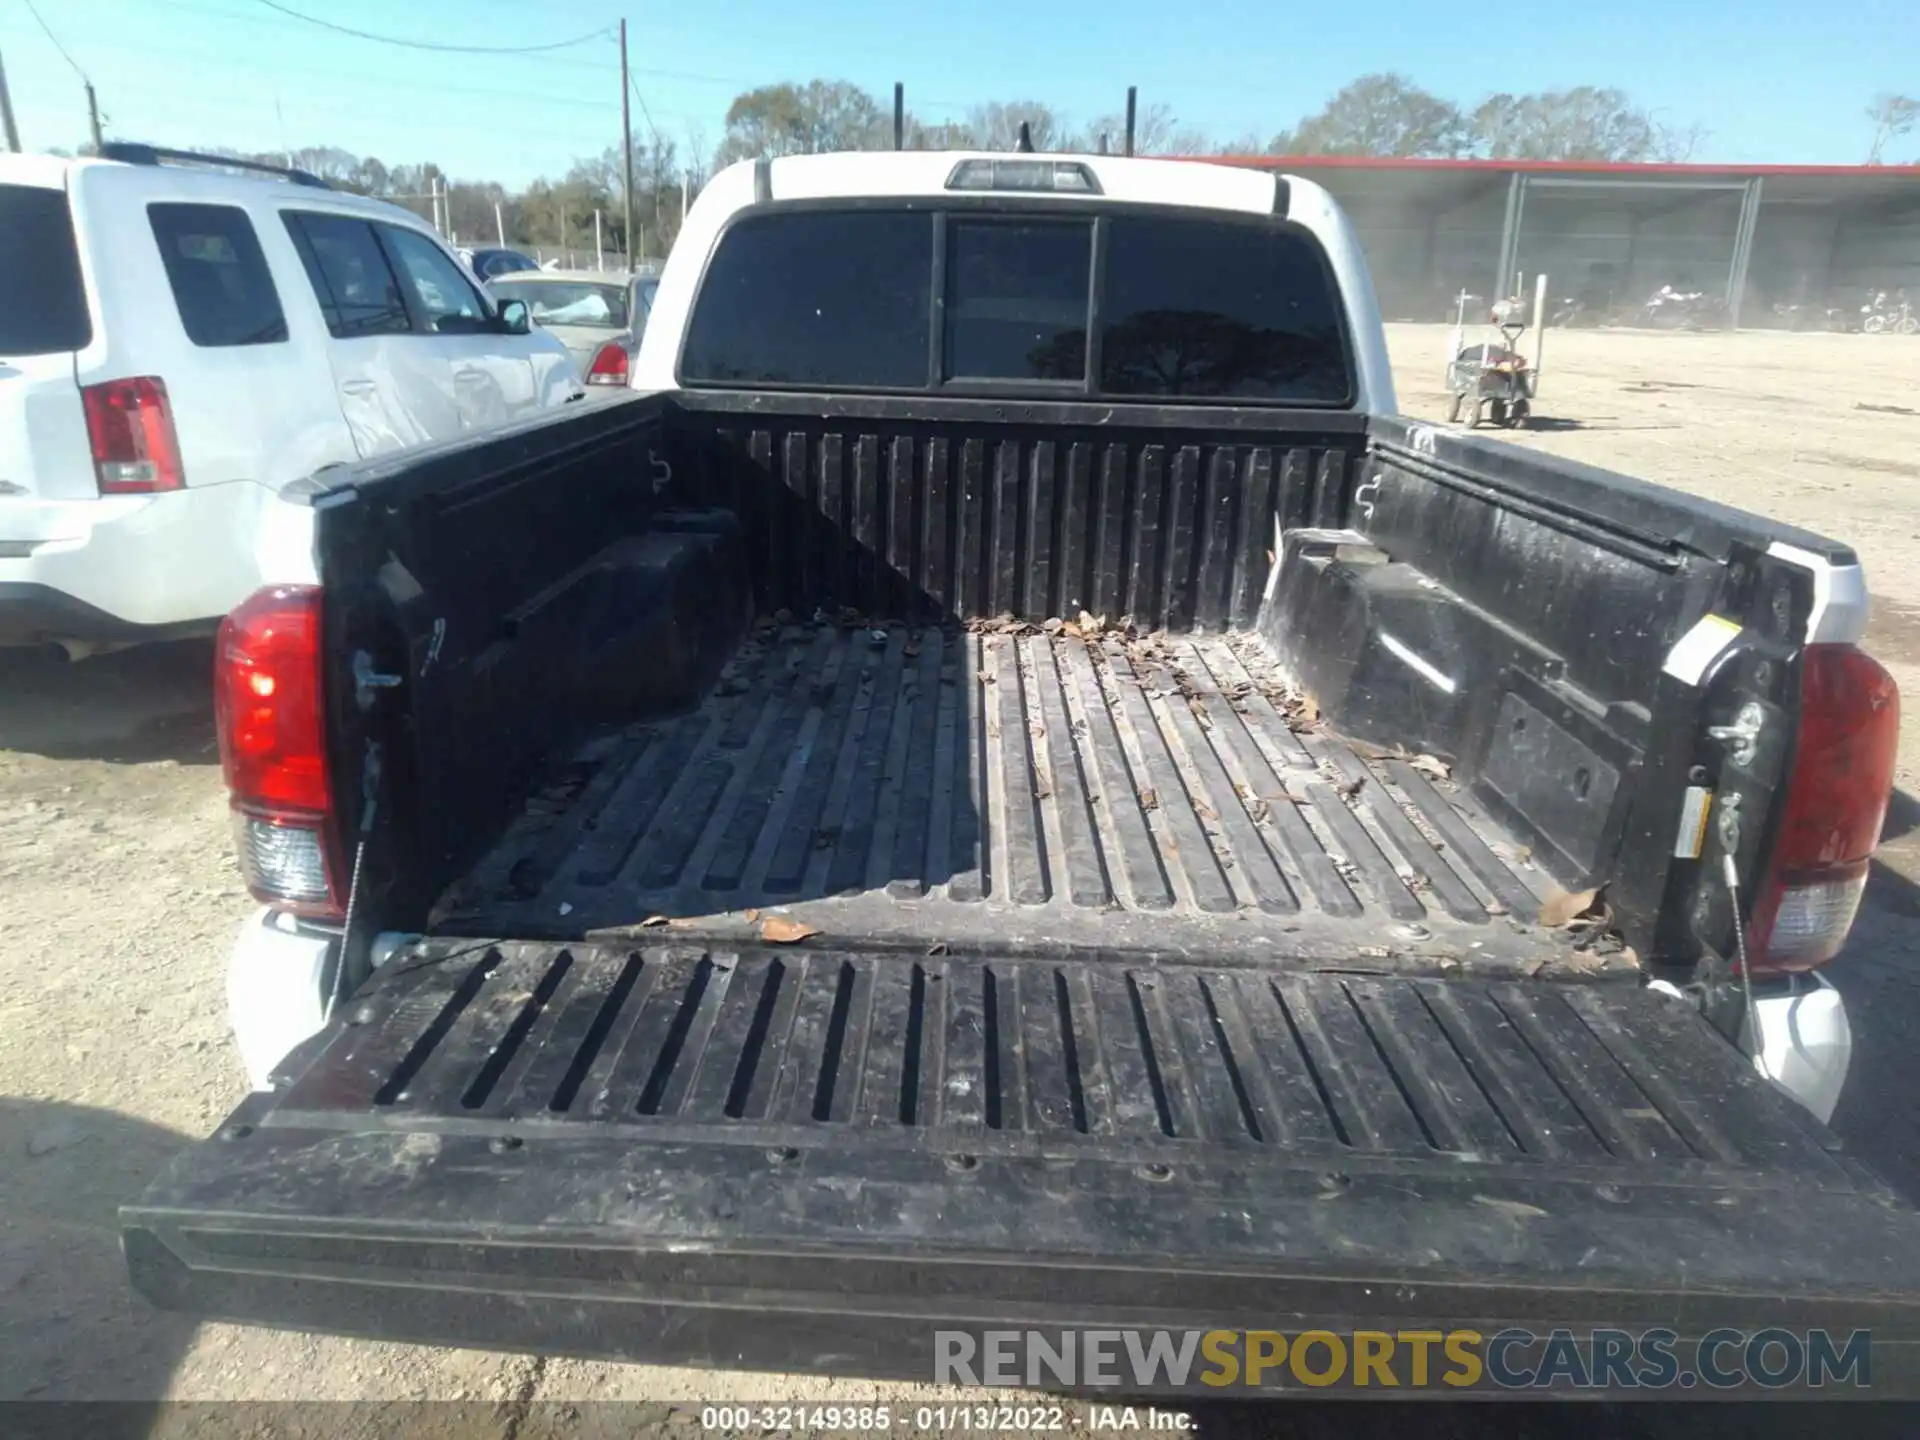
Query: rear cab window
[[219, 277], [835, 298], [1017, 299], [1127, 303], [43, 298]]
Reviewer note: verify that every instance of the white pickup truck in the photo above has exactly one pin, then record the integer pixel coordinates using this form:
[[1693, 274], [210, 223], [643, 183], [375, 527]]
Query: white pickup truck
[[1008, 786]]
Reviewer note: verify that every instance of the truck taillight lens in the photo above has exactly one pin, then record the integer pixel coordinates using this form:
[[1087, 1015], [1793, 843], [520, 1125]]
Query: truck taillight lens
[[609, 366], [268, 708], [1836, 800], [130, 424]]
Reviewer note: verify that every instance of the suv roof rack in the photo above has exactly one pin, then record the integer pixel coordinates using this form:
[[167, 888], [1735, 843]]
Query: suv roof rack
[[131, 153]]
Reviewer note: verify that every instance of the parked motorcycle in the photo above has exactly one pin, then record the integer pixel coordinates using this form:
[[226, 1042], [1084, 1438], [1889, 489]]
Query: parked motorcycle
[[1671, 309], [1884, 316]]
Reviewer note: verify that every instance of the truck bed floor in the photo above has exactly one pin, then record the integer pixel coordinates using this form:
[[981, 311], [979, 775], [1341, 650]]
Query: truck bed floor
[[1024, 792]]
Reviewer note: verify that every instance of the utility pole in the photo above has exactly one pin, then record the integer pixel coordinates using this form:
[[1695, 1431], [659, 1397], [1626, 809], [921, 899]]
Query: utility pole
[[626, 142], [599, 250], [686, 182], [899, 116], [1133, 96], [499, 225], [6, 112], [93, 116]]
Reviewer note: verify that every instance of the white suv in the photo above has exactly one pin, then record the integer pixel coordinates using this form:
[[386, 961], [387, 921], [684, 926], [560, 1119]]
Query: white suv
[[178, 345]]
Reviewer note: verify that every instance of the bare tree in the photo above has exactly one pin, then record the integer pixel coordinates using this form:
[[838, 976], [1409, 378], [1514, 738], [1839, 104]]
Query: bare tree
[[996, 125], [1379, 115], [939, 134], [1673, 145], [1156, 131], [1893, 116], [699, 154]]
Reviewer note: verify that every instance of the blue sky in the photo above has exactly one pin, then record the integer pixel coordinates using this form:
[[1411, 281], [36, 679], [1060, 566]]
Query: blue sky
[[1772, 80]]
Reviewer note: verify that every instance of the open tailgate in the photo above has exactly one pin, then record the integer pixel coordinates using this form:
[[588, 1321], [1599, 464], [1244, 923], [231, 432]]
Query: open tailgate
[[794, 1159]]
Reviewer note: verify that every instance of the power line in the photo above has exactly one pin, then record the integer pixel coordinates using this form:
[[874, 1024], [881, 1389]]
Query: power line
[[274, 5], [48, 30], [646, 114]]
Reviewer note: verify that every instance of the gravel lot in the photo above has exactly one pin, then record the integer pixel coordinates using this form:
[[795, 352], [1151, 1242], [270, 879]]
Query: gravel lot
[[118, 897]]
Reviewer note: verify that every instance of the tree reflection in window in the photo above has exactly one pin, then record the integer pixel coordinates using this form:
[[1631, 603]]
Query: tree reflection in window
[[1204, 353]]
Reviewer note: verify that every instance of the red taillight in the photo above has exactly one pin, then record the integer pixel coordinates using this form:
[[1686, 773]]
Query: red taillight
[[1836, 799], [609, 366], [267, 705], [130, 423]]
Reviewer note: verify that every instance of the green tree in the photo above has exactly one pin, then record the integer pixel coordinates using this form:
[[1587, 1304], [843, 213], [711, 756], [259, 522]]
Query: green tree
[[1379, 115], [810, 119], [1585, 122]]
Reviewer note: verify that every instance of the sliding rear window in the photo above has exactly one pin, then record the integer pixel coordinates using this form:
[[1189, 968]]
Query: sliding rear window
[[43, 301], [820, 297], [1197, 309], [1187, 307]]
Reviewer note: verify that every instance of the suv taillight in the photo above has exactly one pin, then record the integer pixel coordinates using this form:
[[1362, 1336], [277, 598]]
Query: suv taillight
[[609, 366], [1836, 799], [272, 724], [130, 424]]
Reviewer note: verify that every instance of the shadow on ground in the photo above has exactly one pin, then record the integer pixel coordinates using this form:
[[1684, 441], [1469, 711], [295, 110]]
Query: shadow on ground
[[71, 1327], [135, 706]]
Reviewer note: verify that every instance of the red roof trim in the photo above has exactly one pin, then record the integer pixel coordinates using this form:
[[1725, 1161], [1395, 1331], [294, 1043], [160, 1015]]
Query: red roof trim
[[1552, 167]]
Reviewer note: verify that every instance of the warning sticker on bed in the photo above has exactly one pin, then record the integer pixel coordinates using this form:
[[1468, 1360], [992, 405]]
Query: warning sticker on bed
[[1692, 834], [1700, 647]]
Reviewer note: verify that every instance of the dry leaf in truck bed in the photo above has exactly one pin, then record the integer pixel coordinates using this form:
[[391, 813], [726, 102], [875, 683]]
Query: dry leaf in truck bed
[[1432, 766], [1149, 800], [779, 930], [653, 920], [1562, 906]]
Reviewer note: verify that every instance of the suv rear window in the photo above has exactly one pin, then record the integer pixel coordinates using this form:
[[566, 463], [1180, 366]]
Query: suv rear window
[[1198, 307], [220, 279], [43, 302], [822, 297]]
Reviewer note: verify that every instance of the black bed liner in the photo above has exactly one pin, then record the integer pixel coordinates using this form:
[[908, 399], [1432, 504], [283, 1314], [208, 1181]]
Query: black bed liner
[[1017, 790], [811, 1160]]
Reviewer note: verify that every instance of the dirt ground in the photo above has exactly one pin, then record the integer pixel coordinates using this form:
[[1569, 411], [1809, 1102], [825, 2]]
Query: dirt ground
[[118, 897]]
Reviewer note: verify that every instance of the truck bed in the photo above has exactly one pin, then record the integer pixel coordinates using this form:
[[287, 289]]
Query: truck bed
[[1020, 788], [1139, 997]]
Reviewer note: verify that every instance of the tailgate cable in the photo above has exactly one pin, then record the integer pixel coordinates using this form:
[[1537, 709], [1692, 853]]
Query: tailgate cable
[[1746, 971], [369, 808]]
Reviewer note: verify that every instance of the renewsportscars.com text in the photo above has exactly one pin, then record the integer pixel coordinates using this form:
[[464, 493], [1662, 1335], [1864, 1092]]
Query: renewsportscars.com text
[[1409, 1360]]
